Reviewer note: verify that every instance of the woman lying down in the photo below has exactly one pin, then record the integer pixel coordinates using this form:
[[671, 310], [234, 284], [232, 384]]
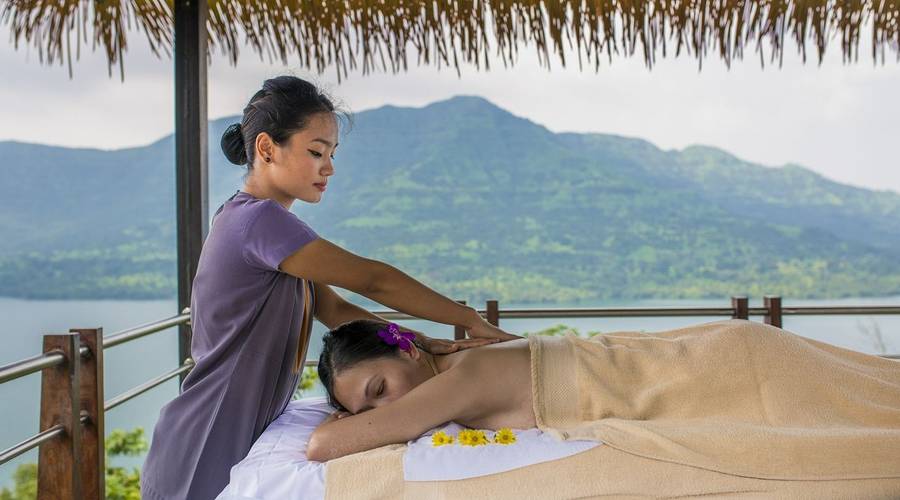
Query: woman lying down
[[737, 397]]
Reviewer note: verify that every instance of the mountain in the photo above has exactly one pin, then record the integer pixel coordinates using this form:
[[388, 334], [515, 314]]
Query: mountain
[[476, 203]]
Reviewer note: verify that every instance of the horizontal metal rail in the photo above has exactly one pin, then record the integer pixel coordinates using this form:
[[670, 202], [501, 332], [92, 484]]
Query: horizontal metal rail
[[622, 312], [37, 363], [56, 430], [632, 312], [146, 386], [30, 443], [839, 310], [30, 365], [593, 312], [145, 329]]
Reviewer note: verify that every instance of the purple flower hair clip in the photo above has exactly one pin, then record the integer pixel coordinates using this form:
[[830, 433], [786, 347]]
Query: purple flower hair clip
[[393, 336]]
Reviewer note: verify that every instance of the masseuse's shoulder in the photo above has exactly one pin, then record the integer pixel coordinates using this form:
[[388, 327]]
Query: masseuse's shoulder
[[256, 209], [266, 216]]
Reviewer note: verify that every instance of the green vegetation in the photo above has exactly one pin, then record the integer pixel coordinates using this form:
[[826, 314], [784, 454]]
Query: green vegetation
[[122, 483], [308, 379], [477, 204], [25, 484]]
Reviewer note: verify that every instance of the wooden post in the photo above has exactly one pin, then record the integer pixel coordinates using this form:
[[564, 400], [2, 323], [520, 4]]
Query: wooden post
[[493, 312], [741, 307], [459, 332], [93, 463], [772, 304], [191, 155], [59, 460]]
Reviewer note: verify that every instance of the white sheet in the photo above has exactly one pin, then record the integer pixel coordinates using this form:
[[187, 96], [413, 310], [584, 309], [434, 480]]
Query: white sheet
[[276, 466], [423, 461]]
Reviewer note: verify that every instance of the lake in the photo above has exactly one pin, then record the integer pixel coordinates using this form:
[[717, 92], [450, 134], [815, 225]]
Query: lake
[[127, 365]]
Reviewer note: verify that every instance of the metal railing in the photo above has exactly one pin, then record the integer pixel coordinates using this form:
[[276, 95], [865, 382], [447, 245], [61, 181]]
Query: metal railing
[[37, 363], [66, 387], [72, 408]]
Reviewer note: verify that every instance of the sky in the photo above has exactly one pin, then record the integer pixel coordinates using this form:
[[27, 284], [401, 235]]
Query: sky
[[839, 119]]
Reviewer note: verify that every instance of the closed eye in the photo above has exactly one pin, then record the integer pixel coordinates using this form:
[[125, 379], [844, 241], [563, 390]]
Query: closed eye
[[318, 154], [380, 389]]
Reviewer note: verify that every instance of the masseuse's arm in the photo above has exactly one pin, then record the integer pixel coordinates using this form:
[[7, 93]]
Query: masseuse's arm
[[321, 261], [332, 310], [431, 403]]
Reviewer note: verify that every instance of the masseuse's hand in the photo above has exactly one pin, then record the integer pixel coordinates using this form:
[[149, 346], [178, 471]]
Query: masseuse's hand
[[484, 330], [443, 346]]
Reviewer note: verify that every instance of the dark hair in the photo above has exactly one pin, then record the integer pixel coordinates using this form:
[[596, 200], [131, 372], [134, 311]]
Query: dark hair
[[282, 107], [347, 345]]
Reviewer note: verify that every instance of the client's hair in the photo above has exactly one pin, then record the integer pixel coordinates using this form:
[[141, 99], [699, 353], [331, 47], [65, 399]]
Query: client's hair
[[347, 345]]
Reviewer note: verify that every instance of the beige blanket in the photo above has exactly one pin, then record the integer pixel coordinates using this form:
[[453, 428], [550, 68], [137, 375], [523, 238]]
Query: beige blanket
[[736, 397], [729, 409], [601, 472]]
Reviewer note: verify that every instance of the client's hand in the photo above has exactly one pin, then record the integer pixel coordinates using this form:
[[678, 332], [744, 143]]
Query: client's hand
[[335, 415]]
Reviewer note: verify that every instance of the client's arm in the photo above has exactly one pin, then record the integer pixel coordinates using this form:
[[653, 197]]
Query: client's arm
[[439, 399]]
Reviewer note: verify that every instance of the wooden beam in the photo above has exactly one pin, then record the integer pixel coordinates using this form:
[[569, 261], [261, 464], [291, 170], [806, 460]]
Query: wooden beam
[[59, 460], [459, 332], [192, 186], [741, 308], [772, 303], [493, 312], [93, 463]]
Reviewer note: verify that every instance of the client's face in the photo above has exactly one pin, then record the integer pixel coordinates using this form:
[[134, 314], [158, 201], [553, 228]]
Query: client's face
[[375, 382]]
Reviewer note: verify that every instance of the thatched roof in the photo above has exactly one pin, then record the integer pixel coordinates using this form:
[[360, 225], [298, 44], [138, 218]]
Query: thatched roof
[[347, 33]]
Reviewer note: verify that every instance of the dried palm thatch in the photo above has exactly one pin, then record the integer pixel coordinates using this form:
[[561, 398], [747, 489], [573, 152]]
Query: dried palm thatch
[[336, 32]]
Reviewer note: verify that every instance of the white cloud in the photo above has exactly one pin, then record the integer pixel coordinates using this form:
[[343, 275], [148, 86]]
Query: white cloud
[[838, 119]]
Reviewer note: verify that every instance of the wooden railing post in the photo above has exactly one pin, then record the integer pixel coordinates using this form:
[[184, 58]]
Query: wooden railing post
[[493, 312], [59, 460], [459, 332], [741, 307], [93, 463], [772, 304]]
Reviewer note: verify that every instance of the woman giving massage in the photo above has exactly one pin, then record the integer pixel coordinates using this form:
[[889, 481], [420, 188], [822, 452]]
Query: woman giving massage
[[736, 396], [263, 276]]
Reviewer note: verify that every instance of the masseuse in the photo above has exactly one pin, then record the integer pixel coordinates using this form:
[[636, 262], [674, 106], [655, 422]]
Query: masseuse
[[263, 275]]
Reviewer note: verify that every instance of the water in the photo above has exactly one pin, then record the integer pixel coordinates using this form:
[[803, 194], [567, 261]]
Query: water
[[130, 364]]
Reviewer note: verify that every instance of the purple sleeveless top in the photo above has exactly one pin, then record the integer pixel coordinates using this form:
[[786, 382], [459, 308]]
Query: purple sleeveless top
[[246, 318]]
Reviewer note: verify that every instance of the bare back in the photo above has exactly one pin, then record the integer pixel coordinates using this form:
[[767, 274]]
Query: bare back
[[497, 381]]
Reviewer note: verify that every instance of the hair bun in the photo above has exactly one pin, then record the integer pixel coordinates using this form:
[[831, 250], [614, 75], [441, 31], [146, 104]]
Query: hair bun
[[233, 144]]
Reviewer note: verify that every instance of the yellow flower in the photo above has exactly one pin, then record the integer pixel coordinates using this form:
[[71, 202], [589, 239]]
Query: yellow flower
[[504, 436], [472, 437], [465, 437], [440, 438]]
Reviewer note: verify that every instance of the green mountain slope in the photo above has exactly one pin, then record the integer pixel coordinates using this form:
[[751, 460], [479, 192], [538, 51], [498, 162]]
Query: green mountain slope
[[477, 203]]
